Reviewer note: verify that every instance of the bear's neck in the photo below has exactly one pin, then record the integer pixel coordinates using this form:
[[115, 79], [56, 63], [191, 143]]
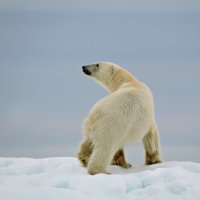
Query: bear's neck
[[123, 79]]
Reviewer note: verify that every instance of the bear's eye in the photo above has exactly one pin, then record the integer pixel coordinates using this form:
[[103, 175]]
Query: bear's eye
[[97, 65]]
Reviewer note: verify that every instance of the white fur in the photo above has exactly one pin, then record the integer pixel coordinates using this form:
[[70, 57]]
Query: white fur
[[122, 117]]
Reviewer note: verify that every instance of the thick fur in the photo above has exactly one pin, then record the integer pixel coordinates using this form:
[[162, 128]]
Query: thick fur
[[122, 117]]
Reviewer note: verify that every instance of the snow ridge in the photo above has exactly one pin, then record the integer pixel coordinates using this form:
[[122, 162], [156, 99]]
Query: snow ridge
[[64, 178]]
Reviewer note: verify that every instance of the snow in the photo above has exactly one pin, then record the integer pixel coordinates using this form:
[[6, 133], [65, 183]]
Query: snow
[[66, 179]]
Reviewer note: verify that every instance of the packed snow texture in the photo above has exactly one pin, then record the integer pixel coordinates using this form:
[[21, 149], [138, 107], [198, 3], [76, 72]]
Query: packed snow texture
[[66, 179]]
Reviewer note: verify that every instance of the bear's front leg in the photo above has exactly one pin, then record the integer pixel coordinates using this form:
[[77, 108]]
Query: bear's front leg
[[152, 147], [119, 159]]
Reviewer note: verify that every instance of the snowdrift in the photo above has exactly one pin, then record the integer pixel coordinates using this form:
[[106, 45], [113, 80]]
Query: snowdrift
[[66, 179]]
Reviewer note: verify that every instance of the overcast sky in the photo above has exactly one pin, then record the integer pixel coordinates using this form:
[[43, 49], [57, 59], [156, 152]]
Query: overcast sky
[[44, 96]]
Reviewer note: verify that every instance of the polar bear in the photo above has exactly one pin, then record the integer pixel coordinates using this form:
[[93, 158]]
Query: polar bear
[[124, 116]]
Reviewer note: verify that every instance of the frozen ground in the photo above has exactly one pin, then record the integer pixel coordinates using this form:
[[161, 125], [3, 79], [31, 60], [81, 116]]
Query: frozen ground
[[65, 179]]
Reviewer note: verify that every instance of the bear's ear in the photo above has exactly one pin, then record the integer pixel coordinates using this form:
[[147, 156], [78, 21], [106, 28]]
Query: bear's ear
[[112, 69]]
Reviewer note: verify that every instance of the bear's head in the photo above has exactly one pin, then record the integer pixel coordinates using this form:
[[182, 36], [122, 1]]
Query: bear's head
[[101, 72]]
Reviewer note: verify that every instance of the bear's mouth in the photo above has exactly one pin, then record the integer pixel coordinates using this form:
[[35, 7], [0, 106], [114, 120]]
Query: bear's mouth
[[86, 71]]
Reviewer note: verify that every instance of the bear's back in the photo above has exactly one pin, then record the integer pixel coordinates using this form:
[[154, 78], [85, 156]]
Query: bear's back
[[123, 111]]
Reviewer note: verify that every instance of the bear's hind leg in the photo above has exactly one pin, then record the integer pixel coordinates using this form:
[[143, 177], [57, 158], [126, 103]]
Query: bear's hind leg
[[119, 159], [85, 151], [152, 147], [101, 157]]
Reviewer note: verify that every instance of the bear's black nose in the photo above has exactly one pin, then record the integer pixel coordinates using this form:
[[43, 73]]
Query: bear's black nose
[[83, 67], [85, 70]]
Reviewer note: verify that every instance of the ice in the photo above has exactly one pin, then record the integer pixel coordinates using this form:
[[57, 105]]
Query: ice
[[65, 179]]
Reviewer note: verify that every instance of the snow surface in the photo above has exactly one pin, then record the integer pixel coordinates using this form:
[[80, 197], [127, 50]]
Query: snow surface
[[66, 179]]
